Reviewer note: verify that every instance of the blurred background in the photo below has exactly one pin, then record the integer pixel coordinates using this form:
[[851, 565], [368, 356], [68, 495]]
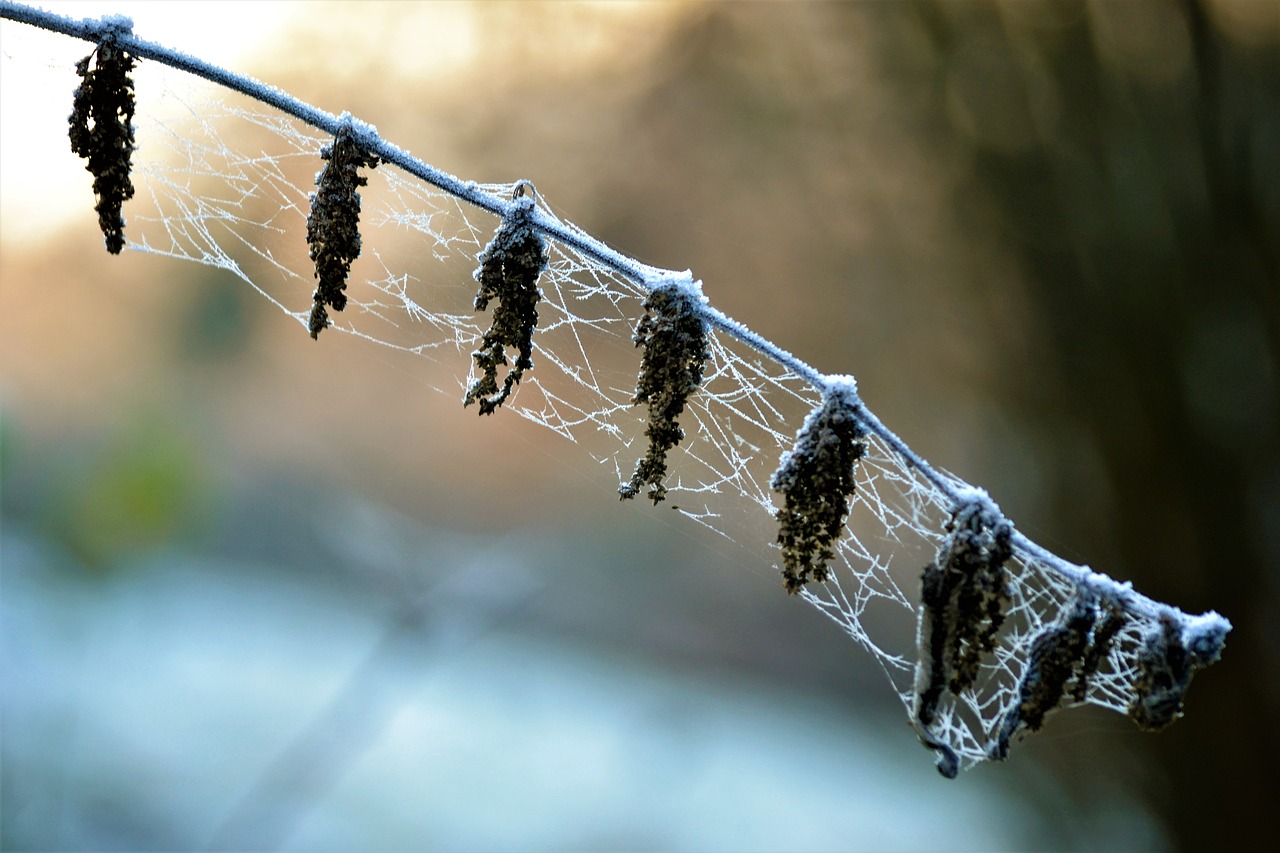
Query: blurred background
[[259, 593]]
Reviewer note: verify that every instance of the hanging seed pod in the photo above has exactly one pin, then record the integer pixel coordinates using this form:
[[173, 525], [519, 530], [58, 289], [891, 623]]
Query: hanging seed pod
[[101, 131], [963, 595], [333, 225], [509, 270], [816, 480], [1056, 655], [1170, 655], [674, 338], [1104, 633], [1064, 659]]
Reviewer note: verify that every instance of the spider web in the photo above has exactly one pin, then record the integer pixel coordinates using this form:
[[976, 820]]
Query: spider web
[[229, 186]]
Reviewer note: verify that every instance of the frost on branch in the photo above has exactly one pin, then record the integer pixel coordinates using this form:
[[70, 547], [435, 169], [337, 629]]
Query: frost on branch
[[963, 595], [816, 479], [674, 338], [101, 131], [333, 225], [509, 269], [1064, 658], [1170, 654]]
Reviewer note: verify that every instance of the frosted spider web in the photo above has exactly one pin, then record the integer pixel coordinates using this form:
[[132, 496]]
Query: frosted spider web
[[228, 186]]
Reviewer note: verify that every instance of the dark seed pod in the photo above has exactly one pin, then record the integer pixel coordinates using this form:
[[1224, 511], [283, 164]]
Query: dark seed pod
[[509, 270], [674, 338], [101, 131], [816, 481], [1064, 658], [1164, 670], [1100, 641], [962, 596], [1056, 655], [333, 225]]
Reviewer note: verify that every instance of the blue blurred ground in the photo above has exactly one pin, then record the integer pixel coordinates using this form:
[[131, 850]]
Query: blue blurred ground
[[192, 701]]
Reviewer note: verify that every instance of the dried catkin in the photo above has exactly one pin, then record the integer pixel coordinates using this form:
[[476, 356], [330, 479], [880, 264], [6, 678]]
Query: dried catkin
[[333, 225], [816, 481], [963, 595], [509, 270], [101, 131], [674, 338]]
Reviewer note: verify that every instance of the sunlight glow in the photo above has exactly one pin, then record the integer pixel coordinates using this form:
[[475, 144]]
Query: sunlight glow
[[42, 184]]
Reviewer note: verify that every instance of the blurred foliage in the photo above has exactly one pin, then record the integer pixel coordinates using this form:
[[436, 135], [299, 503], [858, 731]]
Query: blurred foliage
[[217, 325], [8, 447], [141, 486]]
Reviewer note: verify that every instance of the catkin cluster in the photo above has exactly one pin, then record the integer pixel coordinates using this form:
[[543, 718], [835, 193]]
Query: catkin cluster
[[1064, 657], [963, 595], [674, 338], [816, 479], [1169, 656], [510, 266], [333, 225], [101, 131]]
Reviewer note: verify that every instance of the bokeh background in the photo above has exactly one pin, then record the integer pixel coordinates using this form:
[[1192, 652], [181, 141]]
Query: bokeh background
[[260, 593]]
